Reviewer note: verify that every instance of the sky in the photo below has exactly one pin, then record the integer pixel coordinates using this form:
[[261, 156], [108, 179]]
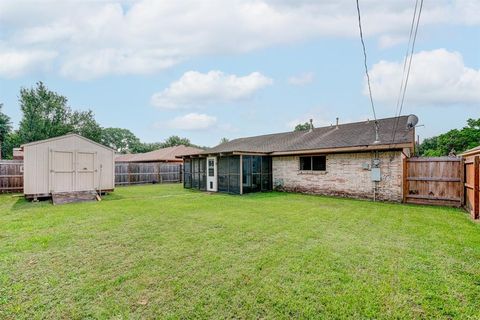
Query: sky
[[218, 68]]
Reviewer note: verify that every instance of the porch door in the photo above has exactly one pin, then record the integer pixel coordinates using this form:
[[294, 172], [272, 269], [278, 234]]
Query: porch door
[[62, 171], [85, 170], [212, 174]]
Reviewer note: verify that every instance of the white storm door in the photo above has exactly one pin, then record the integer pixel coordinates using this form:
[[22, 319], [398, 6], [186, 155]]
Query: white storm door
[[62, 170], [212, 174], [85, 170]]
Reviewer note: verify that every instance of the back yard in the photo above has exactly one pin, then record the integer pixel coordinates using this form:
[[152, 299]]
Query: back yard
[[162, 251]]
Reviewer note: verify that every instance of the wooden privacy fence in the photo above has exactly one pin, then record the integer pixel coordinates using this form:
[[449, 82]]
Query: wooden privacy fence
[[436, 181], [472, 188], [127, 173], [11, 176]]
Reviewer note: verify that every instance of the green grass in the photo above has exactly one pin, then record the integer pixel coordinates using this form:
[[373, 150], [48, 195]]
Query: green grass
[[164, 252]]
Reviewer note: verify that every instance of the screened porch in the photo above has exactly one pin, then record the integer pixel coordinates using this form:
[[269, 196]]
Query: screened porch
[[235, 174]]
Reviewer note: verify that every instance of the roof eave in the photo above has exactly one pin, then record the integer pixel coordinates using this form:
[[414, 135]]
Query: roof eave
[[396, 146]]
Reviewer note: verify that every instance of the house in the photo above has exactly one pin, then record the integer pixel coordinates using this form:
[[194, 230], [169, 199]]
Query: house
[[360, 160], [67, 164], [158, 166], [161, 155]]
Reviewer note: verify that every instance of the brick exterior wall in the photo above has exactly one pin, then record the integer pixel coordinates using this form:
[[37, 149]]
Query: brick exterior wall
[[345, 176]]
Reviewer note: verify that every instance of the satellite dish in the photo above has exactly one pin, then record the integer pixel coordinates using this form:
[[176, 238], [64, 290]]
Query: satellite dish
[[412, 121]]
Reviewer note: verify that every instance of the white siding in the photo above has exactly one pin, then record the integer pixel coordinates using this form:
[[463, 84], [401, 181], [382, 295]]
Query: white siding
[[37, 159]]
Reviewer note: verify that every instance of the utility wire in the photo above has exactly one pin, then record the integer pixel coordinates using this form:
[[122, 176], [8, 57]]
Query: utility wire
[[408, 70], [412, 26], [365, 63]]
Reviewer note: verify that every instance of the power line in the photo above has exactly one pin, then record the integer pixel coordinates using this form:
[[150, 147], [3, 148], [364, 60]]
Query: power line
[[365, 63], [412, 25], [409, 66]]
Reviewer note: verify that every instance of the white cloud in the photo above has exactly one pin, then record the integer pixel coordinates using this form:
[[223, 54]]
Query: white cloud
[[437, 77], [96, 39], [193, 122], [197, 89], [15, 62], [387, 41], [302, 79]]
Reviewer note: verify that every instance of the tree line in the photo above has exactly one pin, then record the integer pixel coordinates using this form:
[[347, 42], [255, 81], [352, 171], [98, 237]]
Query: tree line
[[46, 114]]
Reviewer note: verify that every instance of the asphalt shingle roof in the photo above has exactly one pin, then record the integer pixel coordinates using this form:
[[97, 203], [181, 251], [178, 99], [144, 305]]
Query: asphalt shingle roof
[[346, 135]]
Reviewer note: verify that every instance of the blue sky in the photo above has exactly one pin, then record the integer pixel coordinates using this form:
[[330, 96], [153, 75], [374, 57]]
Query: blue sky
[[240, 68]]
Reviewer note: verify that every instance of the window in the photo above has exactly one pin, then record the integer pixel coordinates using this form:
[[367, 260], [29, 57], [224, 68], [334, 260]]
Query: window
[[315, 163], [211, 168]]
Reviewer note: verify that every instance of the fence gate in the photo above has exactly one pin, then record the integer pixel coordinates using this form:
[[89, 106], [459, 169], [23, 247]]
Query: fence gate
[[434, 181], [472, 189]]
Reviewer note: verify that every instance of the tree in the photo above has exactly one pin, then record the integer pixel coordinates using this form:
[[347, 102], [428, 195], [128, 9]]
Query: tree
[[84, 124], [45, 114], [459, 140], [302, 127], [224, 140], [122, 140], [12, 140], [5, 128], [176, 141], [147, 147]]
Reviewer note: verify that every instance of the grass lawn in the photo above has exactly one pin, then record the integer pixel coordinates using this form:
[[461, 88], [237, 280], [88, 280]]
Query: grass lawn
[[163, 252]]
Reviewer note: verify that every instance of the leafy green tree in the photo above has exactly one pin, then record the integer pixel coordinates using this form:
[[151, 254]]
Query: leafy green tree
[[176, 141], [84, 124], [459, 140], [122, 140], [45, 114], [5, 128], [147, 147], [302, 127], [12, 140], [224, 140]]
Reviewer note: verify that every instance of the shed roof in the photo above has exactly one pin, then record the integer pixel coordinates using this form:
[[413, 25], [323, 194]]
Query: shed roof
[[165, 154], [63, 137], [357, 134], [472, 151]]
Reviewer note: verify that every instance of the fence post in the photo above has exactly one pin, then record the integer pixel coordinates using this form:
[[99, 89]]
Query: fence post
[[476, 191], [405, 181], [462, 182]]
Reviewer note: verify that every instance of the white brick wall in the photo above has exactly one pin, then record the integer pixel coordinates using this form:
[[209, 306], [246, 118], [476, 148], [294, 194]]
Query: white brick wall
[[344, 176]]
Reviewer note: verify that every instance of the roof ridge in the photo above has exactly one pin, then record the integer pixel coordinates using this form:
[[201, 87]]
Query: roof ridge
[[314, 129]]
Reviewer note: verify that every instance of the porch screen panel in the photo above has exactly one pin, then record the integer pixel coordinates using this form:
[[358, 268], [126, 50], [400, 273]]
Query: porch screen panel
[[247, 173], [223, 173], [187, 173], [202, 170], [195, 173], [234, 174], [256, 174], [266, 174]]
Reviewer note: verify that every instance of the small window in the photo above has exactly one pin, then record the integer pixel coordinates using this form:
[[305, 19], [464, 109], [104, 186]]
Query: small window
[[305, 163], [315, 163]]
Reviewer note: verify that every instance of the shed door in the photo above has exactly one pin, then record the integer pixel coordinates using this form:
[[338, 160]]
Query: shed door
[[85, 171], [62, 169]]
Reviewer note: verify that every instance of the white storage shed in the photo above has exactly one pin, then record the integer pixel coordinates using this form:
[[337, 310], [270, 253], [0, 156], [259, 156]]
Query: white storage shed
[[68, 163]]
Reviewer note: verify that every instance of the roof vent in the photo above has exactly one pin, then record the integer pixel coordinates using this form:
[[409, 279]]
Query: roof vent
[[311, 125], [412, 121], [377, 139], [337, 123]]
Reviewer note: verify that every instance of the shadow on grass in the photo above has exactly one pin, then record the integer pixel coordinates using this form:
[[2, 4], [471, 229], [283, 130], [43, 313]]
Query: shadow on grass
[[22, 204]]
